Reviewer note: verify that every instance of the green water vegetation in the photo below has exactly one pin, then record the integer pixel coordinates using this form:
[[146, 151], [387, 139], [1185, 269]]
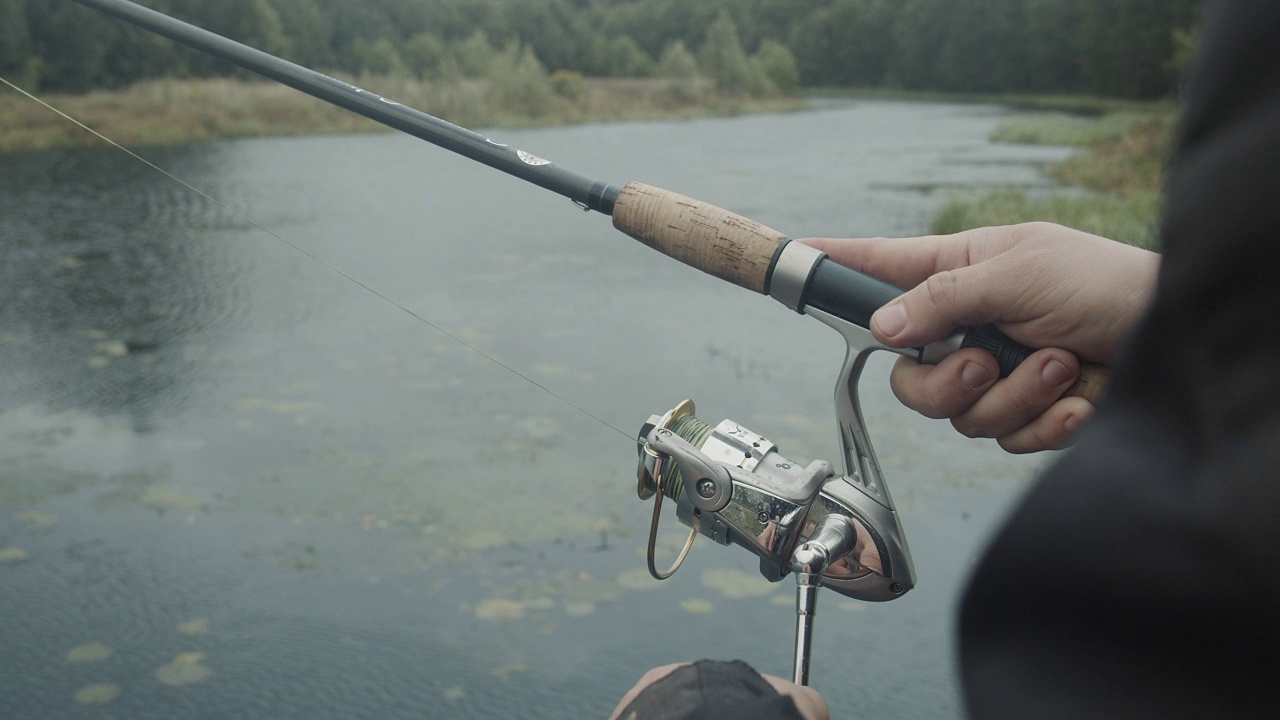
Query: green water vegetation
[[187, 668], [97, 694], [1115, 180], [89, 652]]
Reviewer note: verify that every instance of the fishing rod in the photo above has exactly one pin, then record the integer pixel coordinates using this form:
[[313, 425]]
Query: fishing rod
[[834, 530]]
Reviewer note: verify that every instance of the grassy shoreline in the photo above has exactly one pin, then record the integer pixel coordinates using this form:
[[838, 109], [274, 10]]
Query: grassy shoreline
[[1079, 105], [1114, 181], [162, 112]]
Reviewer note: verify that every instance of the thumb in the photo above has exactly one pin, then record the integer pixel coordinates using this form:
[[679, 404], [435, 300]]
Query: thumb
[[933, 309]]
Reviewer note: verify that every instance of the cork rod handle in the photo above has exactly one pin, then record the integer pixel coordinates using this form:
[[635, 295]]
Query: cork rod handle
[[1092, 382], [698, 234]]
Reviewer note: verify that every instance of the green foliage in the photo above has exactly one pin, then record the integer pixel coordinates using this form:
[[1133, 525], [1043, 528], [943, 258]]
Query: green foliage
[[779, 66], [1122, 48], [680, 69], [677, 62], [723, 59], [617, 56], [15, 43], [424, 54], [474, 55], [568, 84], [1185, 43], [377, 58], [519, 84], [308, 31], [846, 43]]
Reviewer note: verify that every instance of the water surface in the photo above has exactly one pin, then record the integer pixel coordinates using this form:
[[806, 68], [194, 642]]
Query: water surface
[[283, 455]]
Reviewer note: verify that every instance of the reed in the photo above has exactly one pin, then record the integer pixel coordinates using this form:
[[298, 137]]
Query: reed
[[1115, 179], [185, 111]]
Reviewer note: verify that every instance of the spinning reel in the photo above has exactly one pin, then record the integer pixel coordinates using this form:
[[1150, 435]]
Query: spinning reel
[[733, 485]]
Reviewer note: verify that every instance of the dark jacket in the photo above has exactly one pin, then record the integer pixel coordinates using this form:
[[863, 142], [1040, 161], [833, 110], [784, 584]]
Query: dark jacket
[[1141, 576]]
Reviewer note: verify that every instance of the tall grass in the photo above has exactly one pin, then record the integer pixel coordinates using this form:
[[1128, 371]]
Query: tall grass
[[520, 94], [1126, 219], [1117, 177], [1064, 129]]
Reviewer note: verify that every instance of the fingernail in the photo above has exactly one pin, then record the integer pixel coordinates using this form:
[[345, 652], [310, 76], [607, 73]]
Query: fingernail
[[975, 375], [890, 319], [1055, 373]]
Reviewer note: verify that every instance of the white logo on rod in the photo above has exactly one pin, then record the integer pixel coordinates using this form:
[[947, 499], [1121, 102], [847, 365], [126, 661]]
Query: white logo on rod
[[531, 159]]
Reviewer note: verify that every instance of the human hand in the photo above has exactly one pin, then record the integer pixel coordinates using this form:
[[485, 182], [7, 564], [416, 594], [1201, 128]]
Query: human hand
[[807, 700], [1073, 294]]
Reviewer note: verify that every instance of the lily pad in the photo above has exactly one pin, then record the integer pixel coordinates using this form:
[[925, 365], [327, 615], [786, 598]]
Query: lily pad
[[162, 497], [736, 584], [113, 348], [89, 652], [35, 517], [198, 626], [186, 669], [500, 610], [638, 579], [502, 672], [12, 555], [97, 694], [697, 606], [454, 694], [579, 609]]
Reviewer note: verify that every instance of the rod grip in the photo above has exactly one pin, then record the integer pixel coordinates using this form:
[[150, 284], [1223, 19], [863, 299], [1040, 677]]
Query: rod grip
[[1010, 354], [698, 234], [1091, 383]]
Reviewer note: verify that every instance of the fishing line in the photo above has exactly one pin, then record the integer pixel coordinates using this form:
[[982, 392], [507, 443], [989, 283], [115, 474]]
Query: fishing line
[[629, 436]]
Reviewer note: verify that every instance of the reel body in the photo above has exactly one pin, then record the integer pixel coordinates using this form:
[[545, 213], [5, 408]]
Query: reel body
[[733, 485]]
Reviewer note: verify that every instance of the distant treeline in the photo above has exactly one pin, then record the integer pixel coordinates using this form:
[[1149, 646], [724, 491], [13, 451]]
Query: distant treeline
[[1122, 48]]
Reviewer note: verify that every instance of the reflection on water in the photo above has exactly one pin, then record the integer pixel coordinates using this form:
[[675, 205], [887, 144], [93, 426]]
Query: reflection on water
[[114, 282], [235, 484]]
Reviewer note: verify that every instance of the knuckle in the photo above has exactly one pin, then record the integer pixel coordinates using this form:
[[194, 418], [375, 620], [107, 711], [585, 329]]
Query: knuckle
[[967, 427], [1024, 405], [921, 392], [1026, 441], [940, 289]]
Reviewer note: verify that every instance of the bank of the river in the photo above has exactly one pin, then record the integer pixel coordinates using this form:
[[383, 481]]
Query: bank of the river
[[1115, 178], [166, 112]]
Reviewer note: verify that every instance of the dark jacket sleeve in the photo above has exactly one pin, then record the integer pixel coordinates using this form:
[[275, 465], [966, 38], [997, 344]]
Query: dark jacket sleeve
[[1140, 577]]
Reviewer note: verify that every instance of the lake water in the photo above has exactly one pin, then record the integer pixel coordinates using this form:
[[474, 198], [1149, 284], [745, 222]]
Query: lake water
[[283, 458]]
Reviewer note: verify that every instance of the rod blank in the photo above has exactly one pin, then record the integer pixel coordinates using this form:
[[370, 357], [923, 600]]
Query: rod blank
[[591, 194]]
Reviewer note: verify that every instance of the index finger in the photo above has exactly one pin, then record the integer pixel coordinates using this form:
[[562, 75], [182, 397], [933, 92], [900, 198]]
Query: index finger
[[907, 262]]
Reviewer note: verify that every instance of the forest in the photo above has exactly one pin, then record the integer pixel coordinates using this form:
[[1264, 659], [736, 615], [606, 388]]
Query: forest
[[1113, 48]]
